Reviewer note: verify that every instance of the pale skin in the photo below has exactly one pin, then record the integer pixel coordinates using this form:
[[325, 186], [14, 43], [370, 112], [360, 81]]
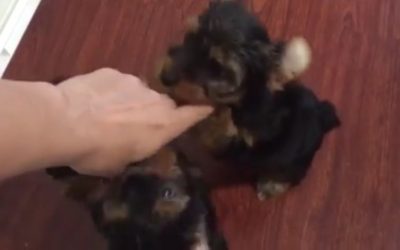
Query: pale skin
[[96, 123]]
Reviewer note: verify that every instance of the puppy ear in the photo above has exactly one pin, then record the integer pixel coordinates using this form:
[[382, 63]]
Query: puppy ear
[[81, 188], [167, 73], [164, 163]]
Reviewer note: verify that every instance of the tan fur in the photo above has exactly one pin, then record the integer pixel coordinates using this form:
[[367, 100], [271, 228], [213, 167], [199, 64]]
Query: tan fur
[[170, 208], [268, 189], [296, 58], [217, 54], [193, 24], [228, 60], [216, 131], [115, 211], [162, 164], [201, 237], [234, 65], [294, 62], [164, 63], [247, 137], [185, 93]]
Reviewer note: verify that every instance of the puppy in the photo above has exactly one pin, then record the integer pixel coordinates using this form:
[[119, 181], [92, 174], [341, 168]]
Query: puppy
[[226, 55], [154, 205], [264, 118], [282, 134], [227, 52]]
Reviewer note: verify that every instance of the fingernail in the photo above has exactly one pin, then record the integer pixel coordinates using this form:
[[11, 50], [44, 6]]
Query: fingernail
[[204, 110], [195, 112]]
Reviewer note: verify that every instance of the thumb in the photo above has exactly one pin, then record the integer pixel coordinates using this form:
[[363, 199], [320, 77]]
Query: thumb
[[185, 117]]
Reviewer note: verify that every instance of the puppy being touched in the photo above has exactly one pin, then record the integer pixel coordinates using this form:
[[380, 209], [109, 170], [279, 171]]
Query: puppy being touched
[[264, 118], [154, 205], [226, 53], [227, 56]]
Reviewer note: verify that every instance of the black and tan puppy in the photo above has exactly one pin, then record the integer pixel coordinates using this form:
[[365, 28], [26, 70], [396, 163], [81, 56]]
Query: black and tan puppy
[[226, 56], [155, 205], [227, 52], [272, 126], [283, 133]]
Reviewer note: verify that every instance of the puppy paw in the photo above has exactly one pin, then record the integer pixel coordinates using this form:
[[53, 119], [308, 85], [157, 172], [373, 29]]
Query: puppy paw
[[296, 58], [269, 189]]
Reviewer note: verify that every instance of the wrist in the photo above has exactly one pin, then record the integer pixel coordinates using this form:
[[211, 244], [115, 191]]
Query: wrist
[[68, 138], [35, 129], [51, 136]]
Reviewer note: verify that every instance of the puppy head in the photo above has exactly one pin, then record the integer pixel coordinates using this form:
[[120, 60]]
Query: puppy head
[[224, 48], [149, 195]]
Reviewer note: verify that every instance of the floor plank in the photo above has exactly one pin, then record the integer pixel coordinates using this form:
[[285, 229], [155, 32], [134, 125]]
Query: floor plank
[[350, 200]]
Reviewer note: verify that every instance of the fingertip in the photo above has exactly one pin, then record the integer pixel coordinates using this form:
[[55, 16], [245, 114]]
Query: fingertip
[[190, 115], [201, 111], [183, 119]]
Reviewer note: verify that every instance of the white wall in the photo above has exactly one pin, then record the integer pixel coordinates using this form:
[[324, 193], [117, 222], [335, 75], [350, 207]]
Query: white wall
[[15, 16]]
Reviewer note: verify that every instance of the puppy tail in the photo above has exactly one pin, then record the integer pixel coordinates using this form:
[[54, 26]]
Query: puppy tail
[[328, 116]]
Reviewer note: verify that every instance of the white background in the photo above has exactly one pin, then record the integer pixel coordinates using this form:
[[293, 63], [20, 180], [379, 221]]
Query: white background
[[15, 16]]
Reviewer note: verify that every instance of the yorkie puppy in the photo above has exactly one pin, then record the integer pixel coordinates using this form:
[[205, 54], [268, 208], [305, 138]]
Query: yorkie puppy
[[227, 55], [281, 134], [154, 205], [272, 126]]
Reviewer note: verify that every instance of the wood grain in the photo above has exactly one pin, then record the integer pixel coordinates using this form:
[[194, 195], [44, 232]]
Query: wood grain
[[349, 201]]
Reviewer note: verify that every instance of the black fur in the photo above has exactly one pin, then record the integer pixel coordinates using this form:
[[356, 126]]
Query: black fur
[[288, 130], [229, 53], [144, 231], [60, 173], [138, 224], [230, 56]]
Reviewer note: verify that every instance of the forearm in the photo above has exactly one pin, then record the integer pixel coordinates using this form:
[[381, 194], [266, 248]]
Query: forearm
[[34, 132], [96, 123]]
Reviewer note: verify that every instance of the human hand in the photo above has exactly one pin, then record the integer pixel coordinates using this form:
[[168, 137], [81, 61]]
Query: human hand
[[117, 119]]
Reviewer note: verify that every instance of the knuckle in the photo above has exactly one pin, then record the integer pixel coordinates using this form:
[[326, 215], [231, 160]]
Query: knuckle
[[132, 78]]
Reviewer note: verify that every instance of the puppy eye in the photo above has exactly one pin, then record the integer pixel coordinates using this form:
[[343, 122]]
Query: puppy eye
[[167, 193]]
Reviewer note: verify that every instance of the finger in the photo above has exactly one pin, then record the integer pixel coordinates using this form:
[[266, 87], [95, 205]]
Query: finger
[[184, 118], [106, 166], [100, 171], [135, 80], [167, 102], [159, 106]]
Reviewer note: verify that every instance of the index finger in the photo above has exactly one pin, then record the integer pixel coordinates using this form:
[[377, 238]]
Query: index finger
[[183, 118]]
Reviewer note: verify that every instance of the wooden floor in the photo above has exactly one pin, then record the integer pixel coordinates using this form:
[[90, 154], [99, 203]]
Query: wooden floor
[[351, 198]]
